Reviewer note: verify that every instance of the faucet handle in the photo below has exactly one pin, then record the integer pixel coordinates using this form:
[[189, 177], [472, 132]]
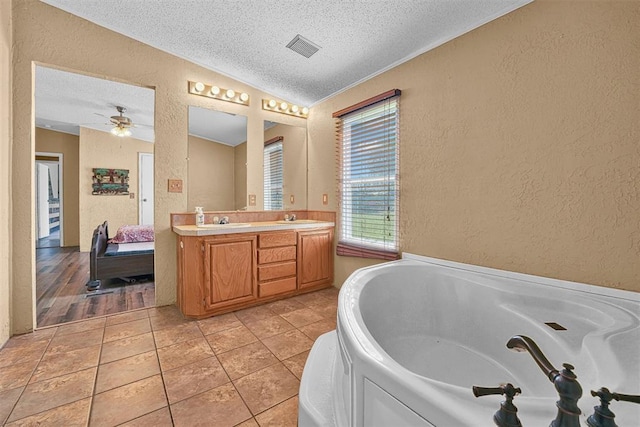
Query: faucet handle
[[506, 416], [626, 397]]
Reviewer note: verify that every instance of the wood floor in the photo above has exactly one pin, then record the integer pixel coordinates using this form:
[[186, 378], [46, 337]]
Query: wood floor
[[61, 294]]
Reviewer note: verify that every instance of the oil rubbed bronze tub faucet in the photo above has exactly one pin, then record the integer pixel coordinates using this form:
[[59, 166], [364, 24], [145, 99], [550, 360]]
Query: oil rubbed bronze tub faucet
[[507, 415], [565, 382]]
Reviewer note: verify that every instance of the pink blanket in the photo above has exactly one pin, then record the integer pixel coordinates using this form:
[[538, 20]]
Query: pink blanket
[[133, 234]]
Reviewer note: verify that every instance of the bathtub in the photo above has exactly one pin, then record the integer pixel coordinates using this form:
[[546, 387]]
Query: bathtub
[[413, 336]]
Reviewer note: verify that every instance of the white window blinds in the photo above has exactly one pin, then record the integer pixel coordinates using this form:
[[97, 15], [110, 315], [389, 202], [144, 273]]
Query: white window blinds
[[368, 178], [273, 176]]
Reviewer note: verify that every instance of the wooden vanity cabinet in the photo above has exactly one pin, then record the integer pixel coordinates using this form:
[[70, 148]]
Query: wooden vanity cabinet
[[315, 258], [222, 273]]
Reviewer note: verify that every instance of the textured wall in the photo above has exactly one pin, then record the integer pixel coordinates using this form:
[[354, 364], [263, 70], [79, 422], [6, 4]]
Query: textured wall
[[49, 141], [211, 175], [294, 163], [51, 37], [103, 150], [240, 175], [519, 144], [5, 170]]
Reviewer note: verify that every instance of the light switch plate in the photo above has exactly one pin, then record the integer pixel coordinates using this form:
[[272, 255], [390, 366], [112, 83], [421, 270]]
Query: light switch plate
[[325, 199], [175, 186], [292, 199]]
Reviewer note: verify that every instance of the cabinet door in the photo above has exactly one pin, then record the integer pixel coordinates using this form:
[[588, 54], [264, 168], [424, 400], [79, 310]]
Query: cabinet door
[[230, 270], [315, 260]]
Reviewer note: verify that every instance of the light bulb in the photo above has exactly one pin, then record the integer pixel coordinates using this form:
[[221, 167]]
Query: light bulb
[[272, 103], [305, 111], [284, 106], [244, 97], [230, 93], [198, 87], [215, 90], [114, 131], [294, 108]]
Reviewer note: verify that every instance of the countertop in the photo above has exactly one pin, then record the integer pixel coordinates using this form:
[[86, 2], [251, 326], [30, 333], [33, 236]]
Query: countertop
[[248, 227]]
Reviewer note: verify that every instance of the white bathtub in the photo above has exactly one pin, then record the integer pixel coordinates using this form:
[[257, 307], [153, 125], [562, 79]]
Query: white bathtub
[[415, 335]]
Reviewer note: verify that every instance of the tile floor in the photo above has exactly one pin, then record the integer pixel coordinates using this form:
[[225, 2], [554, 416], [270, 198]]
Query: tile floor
[[152, 367]]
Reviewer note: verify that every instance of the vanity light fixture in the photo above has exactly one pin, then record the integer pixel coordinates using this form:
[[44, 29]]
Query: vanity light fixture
[[216, 92], [285, 108]]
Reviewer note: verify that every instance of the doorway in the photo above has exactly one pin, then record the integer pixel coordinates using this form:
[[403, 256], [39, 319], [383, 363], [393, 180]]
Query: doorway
[[49, 200]]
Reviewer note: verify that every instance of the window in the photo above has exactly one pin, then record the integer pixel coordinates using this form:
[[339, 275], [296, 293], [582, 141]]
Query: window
[[273, 174], [368, 177]]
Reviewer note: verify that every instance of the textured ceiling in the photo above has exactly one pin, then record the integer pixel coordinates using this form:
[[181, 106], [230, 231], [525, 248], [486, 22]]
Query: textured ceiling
[[65, 101], [246, 39]]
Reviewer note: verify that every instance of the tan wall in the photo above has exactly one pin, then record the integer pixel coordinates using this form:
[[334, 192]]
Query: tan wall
[[104, 150], [5, 170], [58, 142], [294, 163], [519, 145], [43, 34], [211, 175], [240, 173]]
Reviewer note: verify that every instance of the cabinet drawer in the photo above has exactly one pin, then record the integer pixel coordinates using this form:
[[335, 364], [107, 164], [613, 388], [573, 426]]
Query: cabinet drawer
[[266, 256], [273, 240], [277, 287], [276, 271]]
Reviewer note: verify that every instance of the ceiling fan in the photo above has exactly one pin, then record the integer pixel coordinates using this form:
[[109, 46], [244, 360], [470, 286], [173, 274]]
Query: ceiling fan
[[122, 123]]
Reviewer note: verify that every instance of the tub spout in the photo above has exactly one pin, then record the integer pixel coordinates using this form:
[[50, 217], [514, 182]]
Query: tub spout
[[565, 382]]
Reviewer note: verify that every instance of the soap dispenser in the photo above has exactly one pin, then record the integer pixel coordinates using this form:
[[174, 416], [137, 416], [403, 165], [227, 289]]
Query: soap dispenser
[[199, 217]]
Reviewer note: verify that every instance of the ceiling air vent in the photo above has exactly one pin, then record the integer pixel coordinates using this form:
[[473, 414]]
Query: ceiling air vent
[[303, 46]]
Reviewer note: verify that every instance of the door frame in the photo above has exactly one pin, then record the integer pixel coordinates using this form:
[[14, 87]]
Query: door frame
[[60, 157], [141, 155]]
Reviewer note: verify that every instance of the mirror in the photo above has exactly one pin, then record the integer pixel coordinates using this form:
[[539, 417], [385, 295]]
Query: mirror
[[287, 189], [217, 172]]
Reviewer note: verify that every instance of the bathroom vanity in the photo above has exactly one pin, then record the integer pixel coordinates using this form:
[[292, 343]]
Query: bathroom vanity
[[227, 267]]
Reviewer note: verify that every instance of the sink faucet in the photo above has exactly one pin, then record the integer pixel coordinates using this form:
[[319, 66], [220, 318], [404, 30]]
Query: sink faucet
[[565, 382], [291, 217]]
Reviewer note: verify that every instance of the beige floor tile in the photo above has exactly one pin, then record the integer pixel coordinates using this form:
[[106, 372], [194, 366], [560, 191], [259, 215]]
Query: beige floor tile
[[25, 339], [48, 394], [301, 317], [56, 364], [74, 341], [328, 311], [176, 334], [314, 330], [126, 371], [251, 422], [312, 298], [159, 418], [8, 398], [165, 317], [83, 326], [128, 402], [24, 352], [189, 380], [183, 353], [288, 344], [268, 327], [127, 347], [267, 387], [284, 414], [245, 360], [230, 338], [253, 314], [129, 316], [329, 293], [218, 323], [296, 363], [69, 415], [126, 330], [219, 407], [16, 375], [285, 306]]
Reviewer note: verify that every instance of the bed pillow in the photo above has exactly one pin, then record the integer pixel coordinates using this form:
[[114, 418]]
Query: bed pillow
[[133, 234]]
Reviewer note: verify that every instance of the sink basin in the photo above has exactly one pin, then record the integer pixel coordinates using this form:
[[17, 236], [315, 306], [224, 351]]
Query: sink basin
[[298, 221], [230, 225]]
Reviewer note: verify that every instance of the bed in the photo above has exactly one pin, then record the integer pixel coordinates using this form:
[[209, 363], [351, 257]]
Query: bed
[[128, 254]]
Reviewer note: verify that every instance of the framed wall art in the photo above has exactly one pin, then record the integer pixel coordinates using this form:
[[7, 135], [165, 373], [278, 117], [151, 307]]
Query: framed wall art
[[110, 181]]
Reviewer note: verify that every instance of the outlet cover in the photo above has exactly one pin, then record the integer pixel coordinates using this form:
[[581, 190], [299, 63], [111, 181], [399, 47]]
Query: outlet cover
[[252, 199], [175, 186], [292, 199]]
